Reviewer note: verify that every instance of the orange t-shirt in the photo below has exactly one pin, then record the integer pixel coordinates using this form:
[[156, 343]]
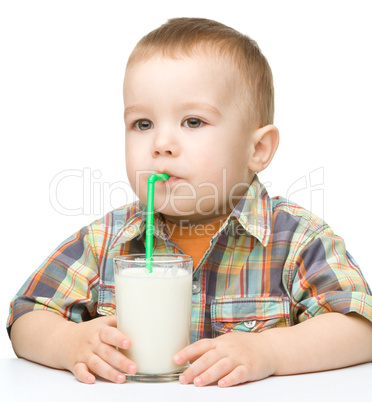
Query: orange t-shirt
[[194, 240]]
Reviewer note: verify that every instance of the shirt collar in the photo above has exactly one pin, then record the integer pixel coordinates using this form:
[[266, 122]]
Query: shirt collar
[[253, 212], [136, 224]]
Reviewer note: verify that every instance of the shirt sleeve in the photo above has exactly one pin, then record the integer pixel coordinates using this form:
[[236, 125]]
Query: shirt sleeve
[[66, 283], [327, 279]]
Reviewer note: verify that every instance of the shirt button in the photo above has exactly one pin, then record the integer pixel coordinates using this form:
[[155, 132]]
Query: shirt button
[[250, 324], [195, 287]]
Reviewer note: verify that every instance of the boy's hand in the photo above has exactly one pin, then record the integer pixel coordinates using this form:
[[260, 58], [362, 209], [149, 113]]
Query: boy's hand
[[89, 347], [230, 359]]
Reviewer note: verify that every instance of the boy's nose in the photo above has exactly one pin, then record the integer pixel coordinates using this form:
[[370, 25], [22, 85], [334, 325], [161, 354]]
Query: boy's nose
[[165, 145]]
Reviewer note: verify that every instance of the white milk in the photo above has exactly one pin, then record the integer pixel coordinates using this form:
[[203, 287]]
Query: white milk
[[154, 311]]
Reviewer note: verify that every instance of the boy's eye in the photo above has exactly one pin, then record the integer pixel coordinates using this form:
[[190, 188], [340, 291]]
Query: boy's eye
[[193, 123], [143, 125]]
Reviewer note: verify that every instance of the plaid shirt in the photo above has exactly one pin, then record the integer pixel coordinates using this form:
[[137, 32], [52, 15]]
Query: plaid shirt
[[271, 264]]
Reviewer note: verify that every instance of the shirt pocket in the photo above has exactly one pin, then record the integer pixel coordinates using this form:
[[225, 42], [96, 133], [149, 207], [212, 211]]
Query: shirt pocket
[[252, 314]]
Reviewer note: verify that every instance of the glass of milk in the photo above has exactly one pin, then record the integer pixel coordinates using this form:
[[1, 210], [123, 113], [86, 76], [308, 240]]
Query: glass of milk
[[154, 311]]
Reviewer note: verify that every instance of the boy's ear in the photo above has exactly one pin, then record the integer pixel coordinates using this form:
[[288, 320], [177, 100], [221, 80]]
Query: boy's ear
[[265, 141]]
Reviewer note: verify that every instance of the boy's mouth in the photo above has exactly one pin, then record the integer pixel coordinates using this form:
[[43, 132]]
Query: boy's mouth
[[172, 178]]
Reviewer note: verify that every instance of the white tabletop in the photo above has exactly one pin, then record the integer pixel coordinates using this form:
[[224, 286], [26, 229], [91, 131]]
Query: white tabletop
[[21, 380]]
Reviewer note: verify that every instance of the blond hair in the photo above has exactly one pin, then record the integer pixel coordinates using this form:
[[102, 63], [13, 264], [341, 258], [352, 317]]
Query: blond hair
[[187, 36]]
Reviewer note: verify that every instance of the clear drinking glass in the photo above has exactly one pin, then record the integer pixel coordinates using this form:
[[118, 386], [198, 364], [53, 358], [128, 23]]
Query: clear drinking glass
[[154, 311]]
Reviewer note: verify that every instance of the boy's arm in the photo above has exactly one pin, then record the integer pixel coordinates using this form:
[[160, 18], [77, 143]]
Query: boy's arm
[[83, 348], [327, 341], [324, 342]]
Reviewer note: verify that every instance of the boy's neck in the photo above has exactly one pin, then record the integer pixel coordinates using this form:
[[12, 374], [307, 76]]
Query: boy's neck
[[194, 232], [195, 220]]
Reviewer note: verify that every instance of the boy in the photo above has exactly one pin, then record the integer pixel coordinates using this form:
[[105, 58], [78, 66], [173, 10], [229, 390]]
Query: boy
[[274, 290]]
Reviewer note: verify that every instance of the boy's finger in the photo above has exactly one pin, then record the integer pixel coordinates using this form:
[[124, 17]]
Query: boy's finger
[[115, 358], [193, 351], [237, 376], [112, 336], [111, 320], [98, 366], [201, 366], [221, 368], [82, 374]]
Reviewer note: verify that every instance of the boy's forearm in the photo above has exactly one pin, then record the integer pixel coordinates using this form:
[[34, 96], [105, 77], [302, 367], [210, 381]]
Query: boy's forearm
[[324, 342], [38, 336]]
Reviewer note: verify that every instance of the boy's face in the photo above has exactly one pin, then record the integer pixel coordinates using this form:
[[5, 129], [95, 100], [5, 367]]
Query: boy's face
[[185, 118]]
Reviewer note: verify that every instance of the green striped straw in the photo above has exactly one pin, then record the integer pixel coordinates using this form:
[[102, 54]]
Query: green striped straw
[[150, 216]]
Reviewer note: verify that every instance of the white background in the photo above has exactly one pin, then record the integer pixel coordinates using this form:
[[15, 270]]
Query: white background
[[61, 72]]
